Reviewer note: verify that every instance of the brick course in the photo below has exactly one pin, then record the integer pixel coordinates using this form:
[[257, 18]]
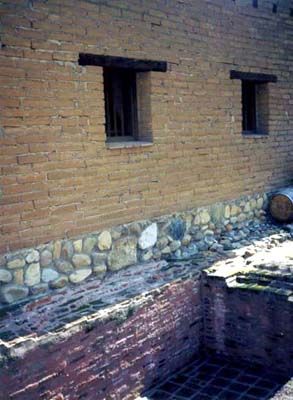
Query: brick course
[[57, 177]]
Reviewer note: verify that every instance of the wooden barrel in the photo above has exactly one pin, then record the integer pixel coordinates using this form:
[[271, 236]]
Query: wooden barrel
[[281, 205]]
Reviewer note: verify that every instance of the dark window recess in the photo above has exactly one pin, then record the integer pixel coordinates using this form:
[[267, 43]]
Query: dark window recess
[[275, 8], [255, 3], [291, 12], [249, 107], [121, 104]]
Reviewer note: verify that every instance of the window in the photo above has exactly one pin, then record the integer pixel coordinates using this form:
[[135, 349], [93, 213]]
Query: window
[[255, 101], [127, 93], [248, 106], [120, 104]]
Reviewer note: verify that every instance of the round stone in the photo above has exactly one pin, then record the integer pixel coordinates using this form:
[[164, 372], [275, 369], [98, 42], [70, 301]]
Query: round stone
[[204, 217], [49, 274], [80, 275], [59, 282], [67, 250], [77, 244], [81, 260], [33, 257], [46, 258], [100, 269], [174, 245], [12, 293], [16, 263], [5, 276], [227, 212], [148, 237], [65, 267], [105, 241], [32, 274], [57, 250], [89, 244], [186, 240], [259, 203]]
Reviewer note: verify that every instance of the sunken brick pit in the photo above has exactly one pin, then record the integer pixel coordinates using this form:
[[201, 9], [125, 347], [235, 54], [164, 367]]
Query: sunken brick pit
[[115, 338]]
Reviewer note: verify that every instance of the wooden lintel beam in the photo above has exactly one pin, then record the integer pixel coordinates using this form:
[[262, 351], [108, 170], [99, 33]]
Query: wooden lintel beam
[[122, 62], [251, 76]]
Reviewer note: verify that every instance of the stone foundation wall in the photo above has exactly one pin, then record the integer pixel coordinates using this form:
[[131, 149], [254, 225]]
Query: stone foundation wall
[[69, 262], [113, 354]]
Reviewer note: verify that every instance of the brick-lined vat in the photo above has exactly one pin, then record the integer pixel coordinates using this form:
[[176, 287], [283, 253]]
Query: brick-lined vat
[[113, 351], [113, 338], [248, 308]]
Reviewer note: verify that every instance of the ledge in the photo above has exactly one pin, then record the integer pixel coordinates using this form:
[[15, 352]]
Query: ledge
[[255, 135], [128, 144]]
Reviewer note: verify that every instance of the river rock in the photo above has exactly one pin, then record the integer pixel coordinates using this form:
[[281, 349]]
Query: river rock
[[5, 276], [59, 282], [148, 237], [49, 274], [46, 258], [77, 244], [80, 275], [11, 293], [81, 260], [67, 250], [16, 263], [105, 241], [33, 274], [65, 267], [33, 257], [123, 253], [89, 244]]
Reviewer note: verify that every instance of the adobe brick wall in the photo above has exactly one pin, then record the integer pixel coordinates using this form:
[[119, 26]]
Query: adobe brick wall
[[57, 177], [105, 356]]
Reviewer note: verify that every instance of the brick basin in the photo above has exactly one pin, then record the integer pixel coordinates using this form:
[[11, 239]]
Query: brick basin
[[114, 353], [116, 338]]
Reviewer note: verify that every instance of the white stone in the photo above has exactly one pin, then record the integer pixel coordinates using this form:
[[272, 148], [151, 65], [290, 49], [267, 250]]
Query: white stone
[[49, 274], [204, 217], [80, 275], [148, 237], [33, 257], [105, 241], [32, 274]]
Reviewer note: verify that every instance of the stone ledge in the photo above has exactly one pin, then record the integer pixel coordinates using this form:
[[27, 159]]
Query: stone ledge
[[128, 144]]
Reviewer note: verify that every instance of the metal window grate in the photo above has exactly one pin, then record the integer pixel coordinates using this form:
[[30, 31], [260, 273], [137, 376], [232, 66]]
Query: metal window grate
[[120, 104], [249, 106]]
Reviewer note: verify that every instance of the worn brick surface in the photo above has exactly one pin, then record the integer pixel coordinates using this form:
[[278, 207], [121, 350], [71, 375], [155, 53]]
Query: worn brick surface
[[99, 351], [57, 178]]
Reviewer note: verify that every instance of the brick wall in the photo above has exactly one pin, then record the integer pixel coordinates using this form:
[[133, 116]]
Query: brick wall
[[58, 179], [248, 321], [108, 357]]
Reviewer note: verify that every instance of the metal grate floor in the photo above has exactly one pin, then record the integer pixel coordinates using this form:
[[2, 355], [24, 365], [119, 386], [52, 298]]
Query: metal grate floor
[[216, 378]]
